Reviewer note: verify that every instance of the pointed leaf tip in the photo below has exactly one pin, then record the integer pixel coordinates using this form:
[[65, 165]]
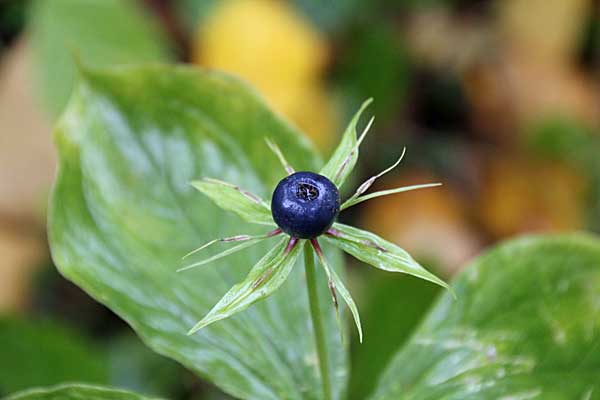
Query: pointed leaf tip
[[337, 283], [224, 253], [354, 200], [344, 158], [279, 154], [369, 182], [278, 261], [381, 254]]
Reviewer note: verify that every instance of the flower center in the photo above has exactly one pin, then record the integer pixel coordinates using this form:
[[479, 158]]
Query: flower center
[[306, 191]]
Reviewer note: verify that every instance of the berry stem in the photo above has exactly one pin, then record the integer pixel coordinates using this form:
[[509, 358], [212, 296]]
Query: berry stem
[[315, 313]]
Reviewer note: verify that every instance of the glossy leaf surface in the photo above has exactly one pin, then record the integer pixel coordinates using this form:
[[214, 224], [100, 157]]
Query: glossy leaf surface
[[525, 326], [373, 250], [263, 280], [123, 213], [341, 289], [229, 197]]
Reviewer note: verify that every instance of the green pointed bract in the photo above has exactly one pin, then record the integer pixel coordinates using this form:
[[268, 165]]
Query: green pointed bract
[[525, 326], [341, 289], [344, 158], [224, 253], [264, 278], [279, 154], [373, 250], [369, 182], [354, 200], [232, 198]]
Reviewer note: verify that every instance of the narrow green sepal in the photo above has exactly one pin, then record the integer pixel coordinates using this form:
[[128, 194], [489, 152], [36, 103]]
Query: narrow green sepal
[[354, 200], [338, 286], [373, 250], [230, 197], [264, 278], [343, 159]]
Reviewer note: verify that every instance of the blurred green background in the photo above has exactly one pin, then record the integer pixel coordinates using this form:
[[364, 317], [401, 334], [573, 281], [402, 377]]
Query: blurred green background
[[499, 100]]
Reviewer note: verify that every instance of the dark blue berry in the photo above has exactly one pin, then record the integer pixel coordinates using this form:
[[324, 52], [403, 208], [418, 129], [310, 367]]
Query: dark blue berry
[[305, 204]]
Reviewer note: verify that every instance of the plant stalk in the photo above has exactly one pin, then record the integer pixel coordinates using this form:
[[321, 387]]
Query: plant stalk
[[315, 314]]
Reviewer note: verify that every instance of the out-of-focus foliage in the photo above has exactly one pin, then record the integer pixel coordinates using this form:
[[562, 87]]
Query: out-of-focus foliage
[[129, 144], [27, 156], [91, 32], [392, 307], [526, 318], [22, 254], [279, 52], [46, 353], [542, 37], [330, 16], [429, 216], [375, 65], [326, 16], [134, 366], [571, 142], [519, 196], [12, 17]]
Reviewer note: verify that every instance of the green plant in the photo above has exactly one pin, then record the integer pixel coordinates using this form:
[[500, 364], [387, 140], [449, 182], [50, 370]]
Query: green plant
[[304, 206], [122, 214]]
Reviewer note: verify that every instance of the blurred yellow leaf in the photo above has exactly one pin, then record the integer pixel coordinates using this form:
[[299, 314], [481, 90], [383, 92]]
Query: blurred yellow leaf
[[549, 29], [22, 252], [270, 45], [521, 195], [430, 223], [515, 91], [316, 114]]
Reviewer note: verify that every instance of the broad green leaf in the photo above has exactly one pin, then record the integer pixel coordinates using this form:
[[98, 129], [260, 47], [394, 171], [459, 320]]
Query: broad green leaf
[[380, 253], [391, 307], [343, 159], [525, 326], [122, 214], [46, 353], [97, 32], [263, 280], [233, 198], [76, 391]]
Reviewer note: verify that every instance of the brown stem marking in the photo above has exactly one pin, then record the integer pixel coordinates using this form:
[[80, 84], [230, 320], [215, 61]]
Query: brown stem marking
[[290, 246], [315, 244]]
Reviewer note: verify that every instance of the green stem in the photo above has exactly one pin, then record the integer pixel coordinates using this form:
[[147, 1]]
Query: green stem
[[315, 314]]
